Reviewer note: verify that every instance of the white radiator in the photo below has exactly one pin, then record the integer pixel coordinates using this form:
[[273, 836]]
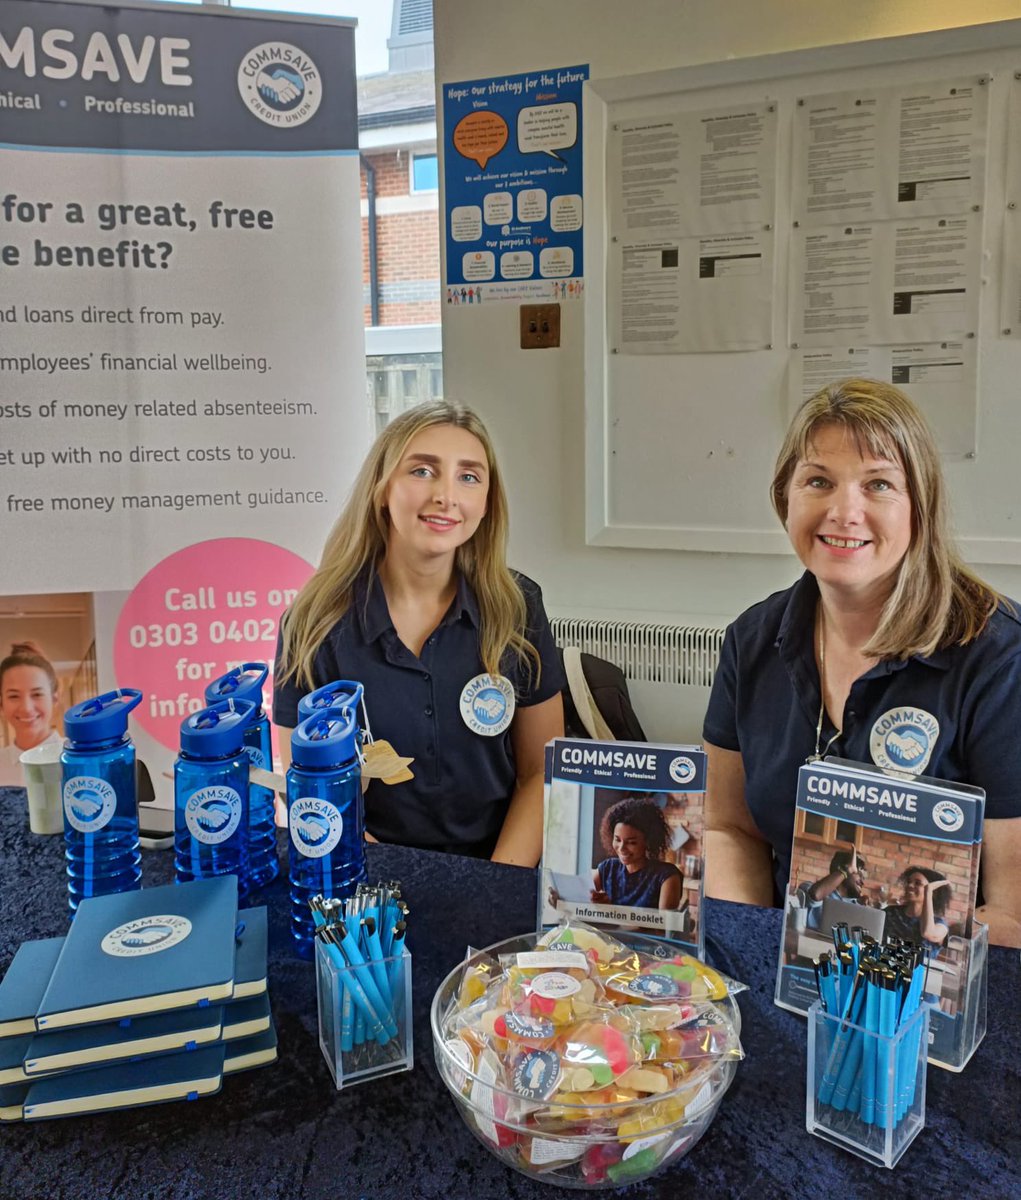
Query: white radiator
[[669, 668]]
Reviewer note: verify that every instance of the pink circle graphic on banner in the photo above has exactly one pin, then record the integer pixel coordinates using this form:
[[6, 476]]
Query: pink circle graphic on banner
[[194, 616]]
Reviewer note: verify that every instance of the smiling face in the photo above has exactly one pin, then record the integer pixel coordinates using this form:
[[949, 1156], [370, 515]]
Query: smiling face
[[849, 515], [26, 703], [914, 890], [436, 497], [630, 846]]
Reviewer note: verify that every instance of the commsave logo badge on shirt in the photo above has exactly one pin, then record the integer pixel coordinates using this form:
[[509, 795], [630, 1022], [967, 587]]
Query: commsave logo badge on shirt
[[903, 739], [487, 704], [280, 84]]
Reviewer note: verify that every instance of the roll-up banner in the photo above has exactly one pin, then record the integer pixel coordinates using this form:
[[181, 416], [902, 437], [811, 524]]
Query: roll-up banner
[[182, 396]]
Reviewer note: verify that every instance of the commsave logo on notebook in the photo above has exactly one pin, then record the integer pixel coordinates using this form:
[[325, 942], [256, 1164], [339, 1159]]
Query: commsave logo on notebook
[[146, 935]]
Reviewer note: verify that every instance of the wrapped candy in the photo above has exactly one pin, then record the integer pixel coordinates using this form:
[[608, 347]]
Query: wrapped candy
[[594, 1063]]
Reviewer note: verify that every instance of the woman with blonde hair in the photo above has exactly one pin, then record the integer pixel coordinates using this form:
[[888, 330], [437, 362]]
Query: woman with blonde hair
[[888, 649], [28, 701], [413, 598]]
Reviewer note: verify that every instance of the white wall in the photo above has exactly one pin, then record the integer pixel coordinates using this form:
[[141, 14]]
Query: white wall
[[533, 401]]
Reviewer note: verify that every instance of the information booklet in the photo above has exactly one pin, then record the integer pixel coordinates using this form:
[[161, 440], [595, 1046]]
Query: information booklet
[[879, 850], [142, 952], [622, 838]]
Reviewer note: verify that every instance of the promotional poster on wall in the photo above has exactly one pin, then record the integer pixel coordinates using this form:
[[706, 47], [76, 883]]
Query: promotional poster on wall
[[181, 335]]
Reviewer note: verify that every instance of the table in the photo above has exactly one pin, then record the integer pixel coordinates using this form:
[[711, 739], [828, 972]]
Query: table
[[284, 1133]]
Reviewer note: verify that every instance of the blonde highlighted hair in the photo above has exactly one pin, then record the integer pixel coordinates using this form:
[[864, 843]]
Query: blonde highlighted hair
[[936, 600], [358, 542]]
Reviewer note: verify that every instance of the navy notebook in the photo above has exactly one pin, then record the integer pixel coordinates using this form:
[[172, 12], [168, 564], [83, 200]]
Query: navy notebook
[[250, 963], [257, 1051], [245, 1018], [12, 1059], [91, 1045], [128, 1085], [23, 986], [12, 1099], [142, 952]]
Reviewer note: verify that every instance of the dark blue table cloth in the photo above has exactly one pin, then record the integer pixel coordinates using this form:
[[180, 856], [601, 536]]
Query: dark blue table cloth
[[284, 1133]]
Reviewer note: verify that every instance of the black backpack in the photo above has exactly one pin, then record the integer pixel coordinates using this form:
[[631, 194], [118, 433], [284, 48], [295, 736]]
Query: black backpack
[[596, 700]]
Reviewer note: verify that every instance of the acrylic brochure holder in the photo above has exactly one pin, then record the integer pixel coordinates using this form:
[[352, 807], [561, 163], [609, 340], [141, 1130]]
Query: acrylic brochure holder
[[964, 967], [866, 1090], [362, 1042]]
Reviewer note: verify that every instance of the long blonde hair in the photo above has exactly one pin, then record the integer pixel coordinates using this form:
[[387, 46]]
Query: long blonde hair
[[358, 542], [936, 600]]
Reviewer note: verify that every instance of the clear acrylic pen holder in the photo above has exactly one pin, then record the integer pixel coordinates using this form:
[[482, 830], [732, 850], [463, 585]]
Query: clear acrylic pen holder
[[866, 1090], [365, 1027]]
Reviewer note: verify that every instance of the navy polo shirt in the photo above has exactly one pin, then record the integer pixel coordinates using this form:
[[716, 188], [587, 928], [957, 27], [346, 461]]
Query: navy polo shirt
[[952, 715], [463, 780]]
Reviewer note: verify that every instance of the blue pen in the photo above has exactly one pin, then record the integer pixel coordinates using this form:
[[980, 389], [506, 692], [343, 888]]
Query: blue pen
[[870, 1060], [837, 1054], [909, 1061], [395, 967], [887, 1093], [847, 1048], [824, 982], [363, 976], [347, 1019], [366, 999], [376, 963], [360, 984]]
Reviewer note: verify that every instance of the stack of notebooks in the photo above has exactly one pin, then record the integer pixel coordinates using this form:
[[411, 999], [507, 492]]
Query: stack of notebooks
[[153, 995]]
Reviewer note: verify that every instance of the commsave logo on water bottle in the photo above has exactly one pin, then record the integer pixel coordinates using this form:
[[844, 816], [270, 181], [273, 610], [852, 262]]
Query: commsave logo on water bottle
[[145, 935], [315, 826], [255, 756], [89, 803], [212, 814]]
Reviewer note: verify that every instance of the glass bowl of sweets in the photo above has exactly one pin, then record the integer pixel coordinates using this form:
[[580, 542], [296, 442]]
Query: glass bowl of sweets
[[584, 1059]]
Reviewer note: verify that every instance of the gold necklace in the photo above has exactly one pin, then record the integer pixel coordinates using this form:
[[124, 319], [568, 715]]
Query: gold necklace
[[820, 617]]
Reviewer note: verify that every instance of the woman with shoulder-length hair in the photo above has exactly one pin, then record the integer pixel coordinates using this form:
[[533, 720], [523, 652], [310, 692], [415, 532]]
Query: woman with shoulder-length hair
[[413, 598], [888, 649]]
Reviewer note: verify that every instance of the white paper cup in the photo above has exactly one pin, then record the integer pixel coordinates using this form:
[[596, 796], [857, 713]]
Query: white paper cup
[[43, 778]]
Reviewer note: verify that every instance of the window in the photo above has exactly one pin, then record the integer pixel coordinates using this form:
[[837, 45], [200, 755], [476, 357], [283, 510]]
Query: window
[[424, 173]]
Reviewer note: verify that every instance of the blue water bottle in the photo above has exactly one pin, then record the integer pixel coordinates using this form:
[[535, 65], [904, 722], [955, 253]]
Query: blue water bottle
[[100, 804], [245, 683], [325, 817], [342, 693], [211, 794]]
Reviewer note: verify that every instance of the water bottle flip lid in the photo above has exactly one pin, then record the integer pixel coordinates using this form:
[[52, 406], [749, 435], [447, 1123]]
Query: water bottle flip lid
[[342, 693], [216, 731], [325, 739], [101, 718], [243, 683]]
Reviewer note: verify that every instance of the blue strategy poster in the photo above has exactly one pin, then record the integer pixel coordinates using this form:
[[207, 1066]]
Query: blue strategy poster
[[514, 216]]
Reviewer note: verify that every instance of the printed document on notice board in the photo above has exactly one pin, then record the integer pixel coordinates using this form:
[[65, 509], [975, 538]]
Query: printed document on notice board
[[941, 377], [693, 294], [886, 281], [882, 153], [692, 204]]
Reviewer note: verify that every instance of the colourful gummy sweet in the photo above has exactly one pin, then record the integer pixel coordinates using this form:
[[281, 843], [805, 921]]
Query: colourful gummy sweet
[[634, 1167]]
